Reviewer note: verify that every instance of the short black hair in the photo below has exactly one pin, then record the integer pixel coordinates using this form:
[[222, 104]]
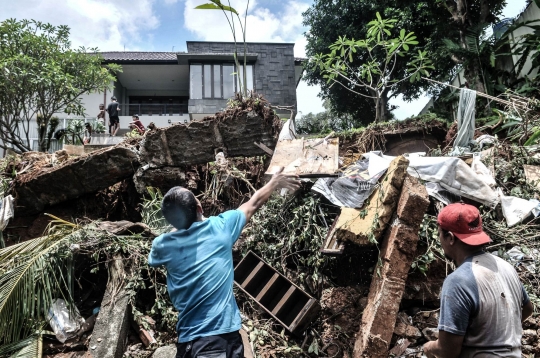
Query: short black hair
[[113, 98], [179, 207]]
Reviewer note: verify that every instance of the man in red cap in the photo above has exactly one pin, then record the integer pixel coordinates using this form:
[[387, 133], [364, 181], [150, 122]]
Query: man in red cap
[[483, 302]]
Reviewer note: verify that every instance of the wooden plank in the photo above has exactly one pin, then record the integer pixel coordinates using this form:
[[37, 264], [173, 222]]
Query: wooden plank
[[252, 274], [306, 158], [267, 287], [283, 300], [332, 245], [306, 315], [302, 321]]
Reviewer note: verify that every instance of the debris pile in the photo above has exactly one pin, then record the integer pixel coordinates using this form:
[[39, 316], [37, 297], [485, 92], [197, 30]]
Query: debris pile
[[316, 275]]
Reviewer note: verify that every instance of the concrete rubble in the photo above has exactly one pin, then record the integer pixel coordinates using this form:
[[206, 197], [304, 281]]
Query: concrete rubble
[[158, 160], [389, 221], [365, 226], [388, 282]]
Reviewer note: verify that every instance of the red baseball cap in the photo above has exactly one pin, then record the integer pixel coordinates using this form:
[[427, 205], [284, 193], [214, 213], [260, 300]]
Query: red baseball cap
[[465, 222]]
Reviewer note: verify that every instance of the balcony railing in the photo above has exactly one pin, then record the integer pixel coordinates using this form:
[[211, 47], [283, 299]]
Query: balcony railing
[[154, 109]]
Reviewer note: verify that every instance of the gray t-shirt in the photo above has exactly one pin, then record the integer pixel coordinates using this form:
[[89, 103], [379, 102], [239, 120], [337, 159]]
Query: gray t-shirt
[[482, 300]]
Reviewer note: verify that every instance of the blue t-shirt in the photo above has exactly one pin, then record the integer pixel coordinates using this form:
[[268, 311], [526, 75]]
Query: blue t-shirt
[[482, 300], [200, 274]]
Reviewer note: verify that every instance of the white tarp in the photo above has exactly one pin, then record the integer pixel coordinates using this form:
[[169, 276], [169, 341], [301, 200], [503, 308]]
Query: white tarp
[[453, 174], [465, 119], [515, 209], [6, 211]]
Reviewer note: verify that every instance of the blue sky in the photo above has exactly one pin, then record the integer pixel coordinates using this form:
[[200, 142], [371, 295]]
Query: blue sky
[[158, 25]]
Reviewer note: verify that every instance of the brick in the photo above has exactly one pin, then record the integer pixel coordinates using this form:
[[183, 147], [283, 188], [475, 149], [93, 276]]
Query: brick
[[397, 252], [357, 225], [413, 201]]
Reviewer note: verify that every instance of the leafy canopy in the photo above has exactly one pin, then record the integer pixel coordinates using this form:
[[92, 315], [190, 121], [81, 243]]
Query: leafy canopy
[[40, 74], [376, 73], [328, 20]]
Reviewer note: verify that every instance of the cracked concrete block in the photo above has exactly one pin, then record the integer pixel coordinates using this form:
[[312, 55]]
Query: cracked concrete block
[[165, 352], [359, 225], [388, 283], [162, 178], [109, 337], [198, 141], [73, 178], [413, 201]]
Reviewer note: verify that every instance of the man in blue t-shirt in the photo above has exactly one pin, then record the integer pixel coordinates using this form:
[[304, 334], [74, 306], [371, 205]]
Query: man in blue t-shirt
[[198, 259], [483, 302]]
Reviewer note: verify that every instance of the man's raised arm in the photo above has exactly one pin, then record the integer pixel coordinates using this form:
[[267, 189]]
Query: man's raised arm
[[278, 181]]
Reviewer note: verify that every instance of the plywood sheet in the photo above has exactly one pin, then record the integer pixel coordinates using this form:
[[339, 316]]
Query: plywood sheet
[[306, 157], [532, 174]]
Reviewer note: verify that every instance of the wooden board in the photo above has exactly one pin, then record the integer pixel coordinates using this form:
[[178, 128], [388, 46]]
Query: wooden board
[[332, 245], [306, 157], [532, 174], [287, 303]]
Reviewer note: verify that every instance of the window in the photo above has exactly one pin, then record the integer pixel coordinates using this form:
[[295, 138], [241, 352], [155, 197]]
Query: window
[[195, 81], [228, 81], [207, 76], [217, 80]]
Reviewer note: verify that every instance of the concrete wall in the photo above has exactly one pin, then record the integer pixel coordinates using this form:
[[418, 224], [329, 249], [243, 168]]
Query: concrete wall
[[160, 121], [274, 70], [530, 14]]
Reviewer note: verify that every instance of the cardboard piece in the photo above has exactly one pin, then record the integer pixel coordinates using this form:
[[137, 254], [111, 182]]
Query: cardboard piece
[[306, 157]]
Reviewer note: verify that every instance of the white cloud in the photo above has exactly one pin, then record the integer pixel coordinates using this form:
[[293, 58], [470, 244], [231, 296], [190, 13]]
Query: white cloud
[[104, 24], [262, 23]]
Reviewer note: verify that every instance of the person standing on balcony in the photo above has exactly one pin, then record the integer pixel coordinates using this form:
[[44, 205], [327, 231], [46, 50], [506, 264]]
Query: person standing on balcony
[[114, 121]]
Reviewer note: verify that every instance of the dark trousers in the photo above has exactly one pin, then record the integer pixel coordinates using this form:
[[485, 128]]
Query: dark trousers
[[228, 345]]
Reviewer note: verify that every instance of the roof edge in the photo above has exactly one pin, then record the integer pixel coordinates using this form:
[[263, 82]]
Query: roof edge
[[247, 43]]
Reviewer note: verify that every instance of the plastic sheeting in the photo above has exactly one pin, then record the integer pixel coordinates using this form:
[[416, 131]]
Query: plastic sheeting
[[452, 174], [64, 321], [515, 209], [465, 118], [355, 185], [6, 211], [288, 131]]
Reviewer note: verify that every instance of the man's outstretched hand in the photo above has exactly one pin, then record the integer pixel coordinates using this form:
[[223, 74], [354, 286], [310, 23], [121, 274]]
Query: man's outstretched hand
[[286, 181], [278, 181]]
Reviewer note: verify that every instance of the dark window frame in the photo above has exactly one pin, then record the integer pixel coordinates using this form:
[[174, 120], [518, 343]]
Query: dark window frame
[[220, 64]]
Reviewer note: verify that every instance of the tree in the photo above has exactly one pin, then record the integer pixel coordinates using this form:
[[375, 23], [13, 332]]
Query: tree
[[41, 75], [470, 18], [376, 74], [325, 122], [217, 5], [328, 20]]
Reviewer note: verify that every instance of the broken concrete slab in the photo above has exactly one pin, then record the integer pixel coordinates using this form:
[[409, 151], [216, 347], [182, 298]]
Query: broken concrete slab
[[367, 225], [199, 141], [73, 178], [165, 352], [411, 206], [109, 337], [388, 282], [162, 178]]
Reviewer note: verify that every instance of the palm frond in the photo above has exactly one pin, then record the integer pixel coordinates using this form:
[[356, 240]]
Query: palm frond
[[31, 347], [32, 275], [151, 212]]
